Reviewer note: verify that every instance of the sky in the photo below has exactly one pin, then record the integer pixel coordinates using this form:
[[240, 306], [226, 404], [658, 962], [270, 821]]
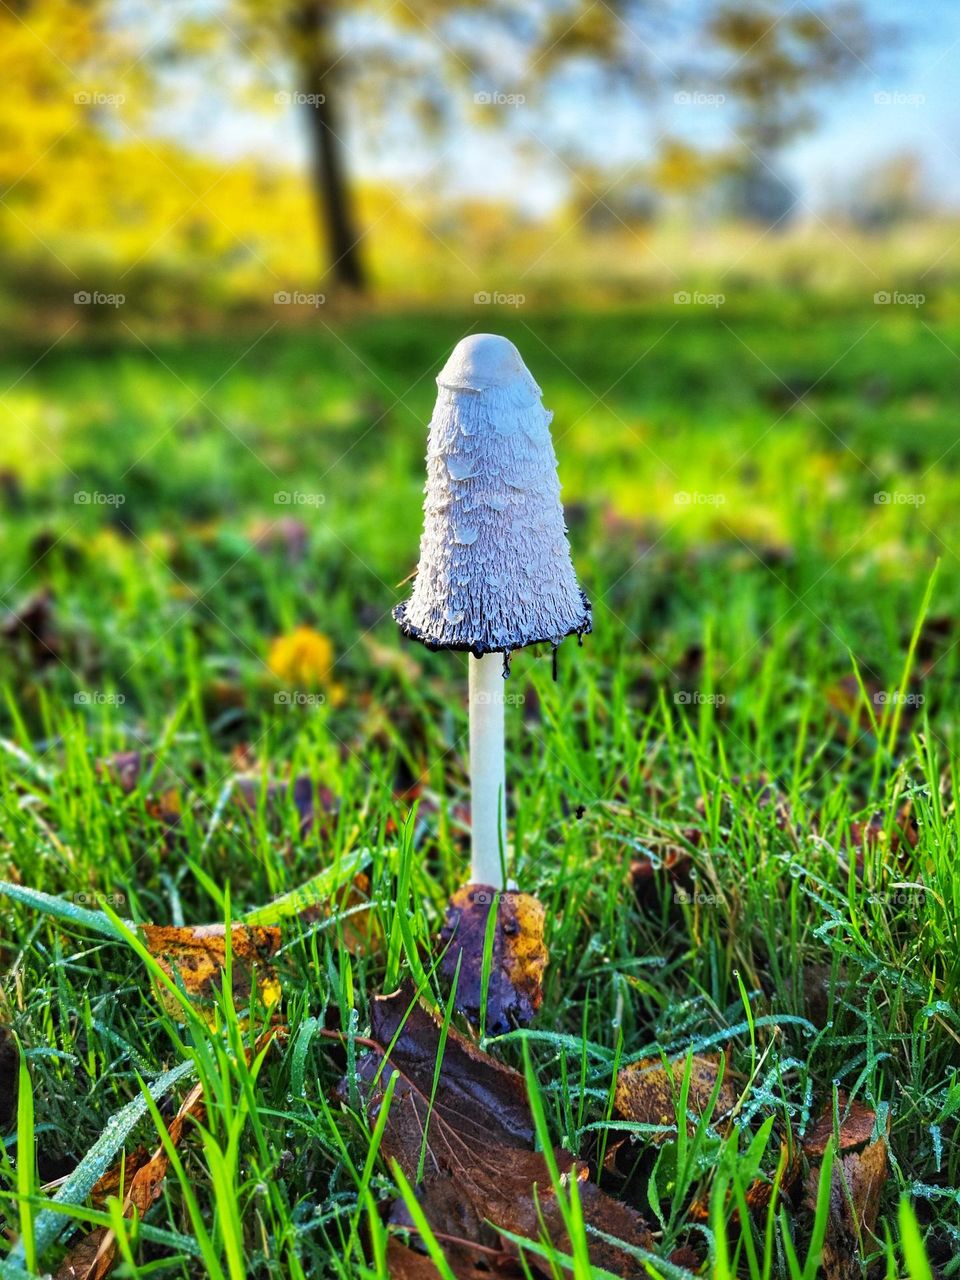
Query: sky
[[906, 99]]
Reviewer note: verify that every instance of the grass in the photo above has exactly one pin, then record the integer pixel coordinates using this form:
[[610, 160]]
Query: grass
[[721, 469]]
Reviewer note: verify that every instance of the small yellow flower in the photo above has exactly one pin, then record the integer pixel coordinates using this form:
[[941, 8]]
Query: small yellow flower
[[304, 658]]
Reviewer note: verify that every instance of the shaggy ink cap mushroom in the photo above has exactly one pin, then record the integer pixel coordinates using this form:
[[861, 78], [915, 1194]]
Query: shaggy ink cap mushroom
[[495, 572]]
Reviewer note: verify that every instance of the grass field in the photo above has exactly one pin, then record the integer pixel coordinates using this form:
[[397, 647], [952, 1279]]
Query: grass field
[[762, 501]]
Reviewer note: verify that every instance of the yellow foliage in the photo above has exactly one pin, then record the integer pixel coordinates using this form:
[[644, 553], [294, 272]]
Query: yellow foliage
[[303, 658]]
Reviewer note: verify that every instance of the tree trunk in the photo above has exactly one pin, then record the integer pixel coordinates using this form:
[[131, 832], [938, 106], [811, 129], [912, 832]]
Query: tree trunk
[[338, 224]]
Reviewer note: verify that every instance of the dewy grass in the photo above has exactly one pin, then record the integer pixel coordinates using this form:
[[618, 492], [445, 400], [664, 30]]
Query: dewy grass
[[740, 651]]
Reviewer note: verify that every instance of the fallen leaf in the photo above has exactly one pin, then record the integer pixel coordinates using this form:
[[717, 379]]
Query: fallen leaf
[[857, 1124], [406, 1263], [197, 955], [856, 1186], [119, 1175], [479, 1171], [647, 1093], [93, 1255], [858, 1177], [518, 957]]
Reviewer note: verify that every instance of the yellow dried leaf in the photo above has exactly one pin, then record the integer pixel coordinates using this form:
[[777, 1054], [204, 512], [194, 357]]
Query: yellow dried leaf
[[198, 954], [647, 1092]]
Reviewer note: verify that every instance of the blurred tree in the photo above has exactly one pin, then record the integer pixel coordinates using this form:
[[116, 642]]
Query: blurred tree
[[355, 62], [781, 67], [386, 76], [890, 192]]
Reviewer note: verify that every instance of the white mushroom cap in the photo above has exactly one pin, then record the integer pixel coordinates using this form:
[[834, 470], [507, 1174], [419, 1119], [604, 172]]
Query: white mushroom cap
[[495, 571]]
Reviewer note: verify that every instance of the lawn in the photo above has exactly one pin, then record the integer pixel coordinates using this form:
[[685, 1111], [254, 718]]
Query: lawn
[[737, 803]]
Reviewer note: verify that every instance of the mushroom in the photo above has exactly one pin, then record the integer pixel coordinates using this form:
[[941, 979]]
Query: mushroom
[[495, 572]]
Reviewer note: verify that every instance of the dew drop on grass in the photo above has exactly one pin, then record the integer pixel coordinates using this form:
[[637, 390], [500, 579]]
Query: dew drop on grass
[[938, 1006], [937, 1144]]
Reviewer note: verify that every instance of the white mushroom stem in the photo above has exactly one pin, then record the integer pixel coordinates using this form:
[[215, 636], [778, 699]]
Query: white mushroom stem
[[487, 770]]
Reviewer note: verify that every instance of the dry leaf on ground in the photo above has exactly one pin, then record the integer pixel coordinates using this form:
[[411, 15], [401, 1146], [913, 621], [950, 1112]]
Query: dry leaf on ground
[[198, 954], [858, 1178], [856, 1127], [478, 1164], [518, 959], [407, 1263], [92, 1257], [647, 1093], [142, 1176]]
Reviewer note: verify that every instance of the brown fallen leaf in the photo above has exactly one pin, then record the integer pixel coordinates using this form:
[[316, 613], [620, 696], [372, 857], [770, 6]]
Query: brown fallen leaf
[[479, 1171], [855, 1128], [858, 1178], [93, 1255], [119, 1175], [856, 1186], [406, 1263], [197, 954], [647, 1093], [518, 959]]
